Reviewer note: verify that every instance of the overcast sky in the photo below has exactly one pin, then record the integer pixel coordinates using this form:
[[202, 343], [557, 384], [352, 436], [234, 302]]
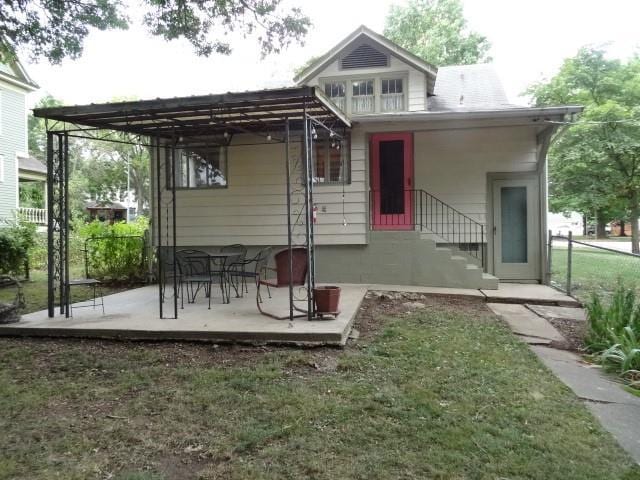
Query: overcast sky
[[529, 41]]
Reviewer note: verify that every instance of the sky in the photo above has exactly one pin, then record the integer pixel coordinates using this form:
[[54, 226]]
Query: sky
[[530, 39]]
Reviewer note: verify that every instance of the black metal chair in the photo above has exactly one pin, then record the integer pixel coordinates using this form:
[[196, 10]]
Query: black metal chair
[[197, 273], [87, 281], [171, 273], [243, 270], [234, 266]]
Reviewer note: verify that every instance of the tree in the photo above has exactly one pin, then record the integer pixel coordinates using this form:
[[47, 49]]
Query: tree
[[37, 131], [436, 31], [56, 29], [595, 165]]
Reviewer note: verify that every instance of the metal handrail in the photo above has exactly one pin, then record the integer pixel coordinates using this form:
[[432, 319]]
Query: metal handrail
[[435, 216]]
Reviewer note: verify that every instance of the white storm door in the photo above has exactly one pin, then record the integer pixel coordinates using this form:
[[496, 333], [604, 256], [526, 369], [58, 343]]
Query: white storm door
[[516, 238]]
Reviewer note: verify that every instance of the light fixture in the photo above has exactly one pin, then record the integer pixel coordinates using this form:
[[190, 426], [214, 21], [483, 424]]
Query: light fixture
[[225, 134], [314, 134], [269, 138]]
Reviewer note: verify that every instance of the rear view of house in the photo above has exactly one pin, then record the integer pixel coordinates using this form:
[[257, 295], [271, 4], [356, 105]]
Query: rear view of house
[[386, 169]]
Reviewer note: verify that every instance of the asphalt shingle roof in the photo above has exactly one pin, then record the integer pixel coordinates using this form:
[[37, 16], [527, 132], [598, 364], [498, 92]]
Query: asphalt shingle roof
[[468, 87]]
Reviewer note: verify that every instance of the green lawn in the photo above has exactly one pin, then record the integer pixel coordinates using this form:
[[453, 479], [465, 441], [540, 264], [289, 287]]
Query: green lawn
[[35, 291], [594, 271], [448, 393]]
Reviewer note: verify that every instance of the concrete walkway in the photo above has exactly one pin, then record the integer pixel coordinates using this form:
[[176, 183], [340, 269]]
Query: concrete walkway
[[617, 410]]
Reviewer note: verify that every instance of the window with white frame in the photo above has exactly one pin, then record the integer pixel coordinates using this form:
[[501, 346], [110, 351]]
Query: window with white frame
[[392, 95], [362, 96], [331, 161], [337, 92], [199, 167]]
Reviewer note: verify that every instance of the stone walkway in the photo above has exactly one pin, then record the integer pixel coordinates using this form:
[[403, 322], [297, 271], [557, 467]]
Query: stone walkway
[[617, 410]]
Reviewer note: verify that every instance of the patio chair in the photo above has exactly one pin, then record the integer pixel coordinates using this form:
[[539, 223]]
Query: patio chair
[[242, 270], [172, 274], [87, 281], [197, 274], [233, 266], [298, 276]]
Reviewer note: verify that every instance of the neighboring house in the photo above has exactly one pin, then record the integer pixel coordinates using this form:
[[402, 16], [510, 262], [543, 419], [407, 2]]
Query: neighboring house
[[15, 84], [439, 181], [107, 211], [32, 175]]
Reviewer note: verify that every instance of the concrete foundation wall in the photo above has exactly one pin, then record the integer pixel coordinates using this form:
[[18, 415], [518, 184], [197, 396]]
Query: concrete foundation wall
[[400, 258]]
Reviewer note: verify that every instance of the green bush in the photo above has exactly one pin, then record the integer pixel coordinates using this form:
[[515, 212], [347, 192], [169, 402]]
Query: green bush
[[115, 252], [12, 253], [17, 238], [614, 331]]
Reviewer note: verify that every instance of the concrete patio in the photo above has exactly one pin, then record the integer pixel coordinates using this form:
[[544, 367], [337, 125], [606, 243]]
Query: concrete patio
[[134, 314]]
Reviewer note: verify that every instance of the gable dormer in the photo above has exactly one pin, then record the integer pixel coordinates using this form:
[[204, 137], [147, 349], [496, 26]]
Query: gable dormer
[[13, 73], [368, 74]]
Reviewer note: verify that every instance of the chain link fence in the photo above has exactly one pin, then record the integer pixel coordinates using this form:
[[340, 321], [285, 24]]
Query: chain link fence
[[579, 268]]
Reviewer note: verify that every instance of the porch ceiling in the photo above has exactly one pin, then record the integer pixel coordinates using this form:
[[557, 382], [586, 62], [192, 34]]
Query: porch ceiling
[[246, 112]]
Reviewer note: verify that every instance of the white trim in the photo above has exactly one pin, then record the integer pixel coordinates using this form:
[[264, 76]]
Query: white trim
[[1, 168]]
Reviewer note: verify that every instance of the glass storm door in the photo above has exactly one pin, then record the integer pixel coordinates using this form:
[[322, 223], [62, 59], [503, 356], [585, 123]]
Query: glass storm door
[[516, 229], [392, 181]]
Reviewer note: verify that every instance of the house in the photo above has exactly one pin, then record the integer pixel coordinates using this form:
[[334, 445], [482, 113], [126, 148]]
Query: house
[[388, 169], [32, 176], [106, 211], [15, 84]]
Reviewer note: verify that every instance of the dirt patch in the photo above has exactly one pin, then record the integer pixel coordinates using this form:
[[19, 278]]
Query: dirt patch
[[573, 331]]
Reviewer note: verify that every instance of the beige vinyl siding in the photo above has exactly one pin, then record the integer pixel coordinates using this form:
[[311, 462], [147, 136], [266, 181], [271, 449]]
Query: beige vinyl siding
[[12, 140], [453, 164], [252, 209], [416, 89]]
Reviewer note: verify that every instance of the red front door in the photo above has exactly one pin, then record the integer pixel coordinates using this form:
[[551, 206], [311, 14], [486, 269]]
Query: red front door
[[392, 181]]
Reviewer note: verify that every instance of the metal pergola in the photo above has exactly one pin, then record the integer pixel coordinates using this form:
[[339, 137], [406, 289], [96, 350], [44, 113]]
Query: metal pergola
[[164, 125]]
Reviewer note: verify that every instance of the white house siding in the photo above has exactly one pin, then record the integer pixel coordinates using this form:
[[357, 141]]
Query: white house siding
[[252, 209], [416, 88], [12, 141]]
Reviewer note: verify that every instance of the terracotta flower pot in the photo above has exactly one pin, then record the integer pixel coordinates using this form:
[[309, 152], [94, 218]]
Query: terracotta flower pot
[[327, 299]]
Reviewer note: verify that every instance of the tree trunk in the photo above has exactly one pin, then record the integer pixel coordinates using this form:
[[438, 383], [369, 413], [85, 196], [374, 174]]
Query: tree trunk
[[601, 231], [622, 227], [584, 225], [635, 214]]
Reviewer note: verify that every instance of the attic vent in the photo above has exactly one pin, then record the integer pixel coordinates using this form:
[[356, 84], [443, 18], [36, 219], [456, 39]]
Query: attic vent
[[364, 56]]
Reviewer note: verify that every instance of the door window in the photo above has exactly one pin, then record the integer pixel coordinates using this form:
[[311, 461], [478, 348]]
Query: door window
[[513, 221], [392, 177]]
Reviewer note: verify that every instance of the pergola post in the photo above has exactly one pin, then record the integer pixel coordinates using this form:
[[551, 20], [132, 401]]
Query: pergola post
[[57, 221]]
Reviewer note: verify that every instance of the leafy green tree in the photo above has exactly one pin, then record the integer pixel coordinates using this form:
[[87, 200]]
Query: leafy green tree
[[436, 31], [595, 164], [56, 29], [37, 131]]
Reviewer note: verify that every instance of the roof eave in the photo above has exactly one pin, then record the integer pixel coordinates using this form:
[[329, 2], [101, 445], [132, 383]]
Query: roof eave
[[525, 112]]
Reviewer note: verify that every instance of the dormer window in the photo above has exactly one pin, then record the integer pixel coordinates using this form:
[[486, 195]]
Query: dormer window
[[362, 97], [336, 91], [392, 95]]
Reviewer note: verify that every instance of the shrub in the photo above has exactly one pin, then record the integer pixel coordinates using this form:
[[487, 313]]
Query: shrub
[[115, 252], [12, 253], [17, 238], [614, 330]]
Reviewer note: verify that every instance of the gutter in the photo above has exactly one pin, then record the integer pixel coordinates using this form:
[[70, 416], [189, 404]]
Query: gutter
[[471, 114]]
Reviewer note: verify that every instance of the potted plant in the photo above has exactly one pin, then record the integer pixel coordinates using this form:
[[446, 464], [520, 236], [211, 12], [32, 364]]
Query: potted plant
[[327, 300]]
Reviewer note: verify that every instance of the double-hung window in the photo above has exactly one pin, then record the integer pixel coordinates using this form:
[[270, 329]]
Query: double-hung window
[[362, 96], [200, 168], [336, 91], [331, 162], [392, 95]]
